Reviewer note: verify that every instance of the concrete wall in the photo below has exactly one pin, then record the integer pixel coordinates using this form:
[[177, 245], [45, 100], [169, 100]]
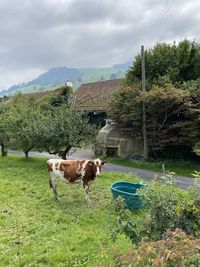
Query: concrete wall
[[111, 140]]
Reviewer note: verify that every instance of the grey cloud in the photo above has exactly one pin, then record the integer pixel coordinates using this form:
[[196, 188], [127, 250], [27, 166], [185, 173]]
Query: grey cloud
[[39, 34]]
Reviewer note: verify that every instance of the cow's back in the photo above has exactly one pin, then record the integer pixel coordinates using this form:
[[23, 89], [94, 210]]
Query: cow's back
[[67, 170], [72, 169]]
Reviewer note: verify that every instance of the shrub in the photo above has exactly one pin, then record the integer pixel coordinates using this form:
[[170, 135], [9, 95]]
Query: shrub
[[161, 199], [166, 207], [123, 222], [189, 212], [175, 249]]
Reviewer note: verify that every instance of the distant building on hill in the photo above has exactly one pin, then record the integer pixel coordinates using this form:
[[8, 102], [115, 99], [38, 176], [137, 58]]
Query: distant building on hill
[[69, 84]]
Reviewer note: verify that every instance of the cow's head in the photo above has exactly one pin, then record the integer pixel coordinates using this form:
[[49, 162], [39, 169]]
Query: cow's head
[[97, 165]]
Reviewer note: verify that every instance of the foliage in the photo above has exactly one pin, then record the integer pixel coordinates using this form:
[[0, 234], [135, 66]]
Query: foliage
[[172, 118], [5, 124], [189, 212], [47, 124], [128, 114], [171, 208], [25, 123], [60, 97], [165, 207], [193, 87], [174, 63], [123, 223], [175, 249], [63, 128], [172, 99], [161, 200]]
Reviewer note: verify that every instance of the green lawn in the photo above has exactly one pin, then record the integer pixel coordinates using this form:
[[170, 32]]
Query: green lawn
[[185, 168], [35, 230]]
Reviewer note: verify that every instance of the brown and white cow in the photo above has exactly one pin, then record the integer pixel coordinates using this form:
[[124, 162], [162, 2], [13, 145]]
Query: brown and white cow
[[73, 171]]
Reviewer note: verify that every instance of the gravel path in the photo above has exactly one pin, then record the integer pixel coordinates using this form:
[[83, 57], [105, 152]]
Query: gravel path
[[182, 181]]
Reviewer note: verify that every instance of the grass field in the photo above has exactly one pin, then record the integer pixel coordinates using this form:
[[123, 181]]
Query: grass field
[[35, 230], [185, 168]]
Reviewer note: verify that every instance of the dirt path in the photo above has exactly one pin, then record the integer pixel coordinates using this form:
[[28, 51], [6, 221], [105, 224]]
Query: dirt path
[[182, 181]]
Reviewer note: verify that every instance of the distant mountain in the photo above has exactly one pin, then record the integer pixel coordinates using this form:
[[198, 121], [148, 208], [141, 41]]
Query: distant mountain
[[124, 66], [58, 76]]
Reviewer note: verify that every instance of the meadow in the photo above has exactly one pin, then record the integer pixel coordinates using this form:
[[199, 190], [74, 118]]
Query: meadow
[[36, 230]]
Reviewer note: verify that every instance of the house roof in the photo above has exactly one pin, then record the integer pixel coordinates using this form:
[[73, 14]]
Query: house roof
[[95, 96]]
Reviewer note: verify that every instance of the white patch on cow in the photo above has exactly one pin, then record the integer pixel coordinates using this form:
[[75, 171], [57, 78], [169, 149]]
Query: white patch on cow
[[79, 169], [86, 189], [82, 172], [56, 169], [97, 162]]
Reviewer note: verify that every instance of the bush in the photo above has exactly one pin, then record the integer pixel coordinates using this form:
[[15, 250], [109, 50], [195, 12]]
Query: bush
[[123, 222], [166, 208], [161, 199], [175, 249], [189, 212]]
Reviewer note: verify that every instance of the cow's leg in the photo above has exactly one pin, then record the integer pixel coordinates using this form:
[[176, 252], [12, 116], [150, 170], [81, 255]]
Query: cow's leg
[[86, 190], [53, 185]]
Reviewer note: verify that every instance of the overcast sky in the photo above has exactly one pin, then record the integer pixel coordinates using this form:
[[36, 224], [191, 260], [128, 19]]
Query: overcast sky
[[40, 34]]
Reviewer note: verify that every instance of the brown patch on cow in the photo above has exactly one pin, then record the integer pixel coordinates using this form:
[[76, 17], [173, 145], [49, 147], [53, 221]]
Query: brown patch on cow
[[50, 167], [90, 171], [71, 169]]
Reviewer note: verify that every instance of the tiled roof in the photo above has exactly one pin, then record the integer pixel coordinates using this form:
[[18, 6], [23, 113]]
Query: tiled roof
[[95, 96]]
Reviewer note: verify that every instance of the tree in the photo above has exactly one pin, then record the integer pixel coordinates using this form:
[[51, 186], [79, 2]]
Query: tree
[[165, 62], [62, 128], [61, 96], [5, 123], [25, 128], [172, 118]]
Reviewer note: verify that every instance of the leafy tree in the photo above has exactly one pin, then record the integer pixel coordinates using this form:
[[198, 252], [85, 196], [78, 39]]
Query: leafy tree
[[61, 96], [62, 128], [165, 62], [25, 128], [5, 123], [172, 117]]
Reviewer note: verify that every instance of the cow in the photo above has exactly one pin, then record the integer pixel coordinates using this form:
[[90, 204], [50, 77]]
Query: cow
[[74, 171]]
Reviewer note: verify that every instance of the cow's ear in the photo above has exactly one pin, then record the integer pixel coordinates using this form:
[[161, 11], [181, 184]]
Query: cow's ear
[[91, 162], [103, 163]]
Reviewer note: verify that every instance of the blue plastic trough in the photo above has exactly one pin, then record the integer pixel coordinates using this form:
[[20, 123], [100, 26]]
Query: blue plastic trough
[[129, 192]]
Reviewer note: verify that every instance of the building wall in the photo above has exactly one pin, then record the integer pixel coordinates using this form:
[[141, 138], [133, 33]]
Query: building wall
[[111, 142]]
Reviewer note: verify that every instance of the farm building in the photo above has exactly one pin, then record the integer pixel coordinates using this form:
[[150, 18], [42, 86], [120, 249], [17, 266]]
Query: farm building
[[94, 98]]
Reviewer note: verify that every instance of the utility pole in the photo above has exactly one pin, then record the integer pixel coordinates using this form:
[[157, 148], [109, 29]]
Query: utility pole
[[143, 105]]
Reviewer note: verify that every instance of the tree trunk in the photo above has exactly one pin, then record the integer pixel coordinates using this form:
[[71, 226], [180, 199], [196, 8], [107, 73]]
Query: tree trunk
[[26, 154], [4, 151], [64, 153]]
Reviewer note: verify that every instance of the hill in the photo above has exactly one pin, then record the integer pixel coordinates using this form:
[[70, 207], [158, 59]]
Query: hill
[[56, 77]]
